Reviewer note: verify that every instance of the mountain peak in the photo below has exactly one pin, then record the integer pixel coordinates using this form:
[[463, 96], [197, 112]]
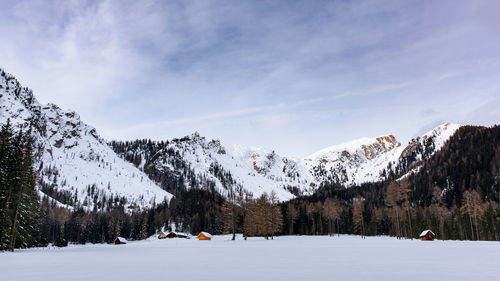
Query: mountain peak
[[445, 130], [370, 147], [423, 147], [75, 166], [10, 85]]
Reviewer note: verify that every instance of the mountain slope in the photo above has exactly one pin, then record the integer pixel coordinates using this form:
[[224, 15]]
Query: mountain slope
[[354, 162], [78, 168], [469, 160], [195, 162], [75, 166], [422, 148]]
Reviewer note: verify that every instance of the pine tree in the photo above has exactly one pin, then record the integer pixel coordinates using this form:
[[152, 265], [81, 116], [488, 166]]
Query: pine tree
[[19, 206], [5, 183]]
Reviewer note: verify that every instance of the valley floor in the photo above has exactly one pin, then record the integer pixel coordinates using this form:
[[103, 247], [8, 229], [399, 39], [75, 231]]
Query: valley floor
[[284, 258]]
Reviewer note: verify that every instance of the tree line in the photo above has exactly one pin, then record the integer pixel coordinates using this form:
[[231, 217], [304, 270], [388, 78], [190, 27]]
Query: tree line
[[395, 215], [455, 194], [19, 203]]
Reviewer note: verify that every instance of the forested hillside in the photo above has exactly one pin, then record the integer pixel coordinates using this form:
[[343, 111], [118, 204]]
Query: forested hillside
[[196, 162], [455, 192], [470, 161]]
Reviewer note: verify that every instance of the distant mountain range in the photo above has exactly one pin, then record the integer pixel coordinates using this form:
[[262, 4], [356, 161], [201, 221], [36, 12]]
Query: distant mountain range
[[194, 161], [76, 167]]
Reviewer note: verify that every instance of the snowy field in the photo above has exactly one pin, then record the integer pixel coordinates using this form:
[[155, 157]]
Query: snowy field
[[284, 258]]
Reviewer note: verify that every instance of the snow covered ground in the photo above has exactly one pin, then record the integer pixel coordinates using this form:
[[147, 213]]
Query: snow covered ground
[[284, 258]]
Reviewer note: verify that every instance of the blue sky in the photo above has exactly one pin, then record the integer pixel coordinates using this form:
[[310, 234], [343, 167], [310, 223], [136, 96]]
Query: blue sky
[[295, 76]]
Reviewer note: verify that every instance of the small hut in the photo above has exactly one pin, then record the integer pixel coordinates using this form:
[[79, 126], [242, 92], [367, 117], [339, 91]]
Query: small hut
[[173, 234], [204, 236], [162, 235], [427, 235], [120, 240]]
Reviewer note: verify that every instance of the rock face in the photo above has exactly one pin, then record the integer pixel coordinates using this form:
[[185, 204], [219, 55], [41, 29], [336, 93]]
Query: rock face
[[354, 162], [74, 165]]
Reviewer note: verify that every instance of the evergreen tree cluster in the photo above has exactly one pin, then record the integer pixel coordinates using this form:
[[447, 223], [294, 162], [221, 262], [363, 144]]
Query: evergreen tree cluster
[[469, 161], [61, 226], [19, 205]]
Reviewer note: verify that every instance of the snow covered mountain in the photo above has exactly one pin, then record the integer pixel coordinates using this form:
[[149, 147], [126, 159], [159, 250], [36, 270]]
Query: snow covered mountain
[[354, 162], [78, 168], [75, 166], [194, 161], [374, 159], [422, 148]]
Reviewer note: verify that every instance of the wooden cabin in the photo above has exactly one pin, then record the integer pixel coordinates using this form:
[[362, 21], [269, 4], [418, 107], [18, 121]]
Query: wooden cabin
[[427, 235], [162, 235], [120, 240], [173, 234], [204, 236]]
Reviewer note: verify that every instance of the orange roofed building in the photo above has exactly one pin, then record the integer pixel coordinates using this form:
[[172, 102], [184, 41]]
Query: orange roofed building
[[204, 236]]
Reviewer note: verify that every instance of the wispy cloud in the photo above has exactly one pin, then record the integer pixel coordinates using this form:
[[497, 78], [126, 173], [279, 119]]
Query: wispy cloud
[[292, 75], [131, 131], [446, 75]]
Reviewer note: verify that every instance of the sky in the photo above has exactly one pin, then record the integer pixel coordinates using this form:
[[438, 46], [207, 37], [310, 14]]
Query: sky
[[293, 76]]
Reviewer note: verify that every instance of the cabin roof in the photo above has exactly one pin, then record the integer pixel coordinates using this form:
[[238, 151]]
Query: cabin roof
[[206, 234], [179, 233], [426, 231], [121, 239]]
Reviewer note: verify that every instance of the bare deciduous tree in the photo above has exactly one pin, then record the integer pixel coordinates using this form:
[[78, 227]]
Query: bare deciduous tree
[[393, 198], [472, 205], [263, 216], [357, 216], [230, 212], [331, 211]]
